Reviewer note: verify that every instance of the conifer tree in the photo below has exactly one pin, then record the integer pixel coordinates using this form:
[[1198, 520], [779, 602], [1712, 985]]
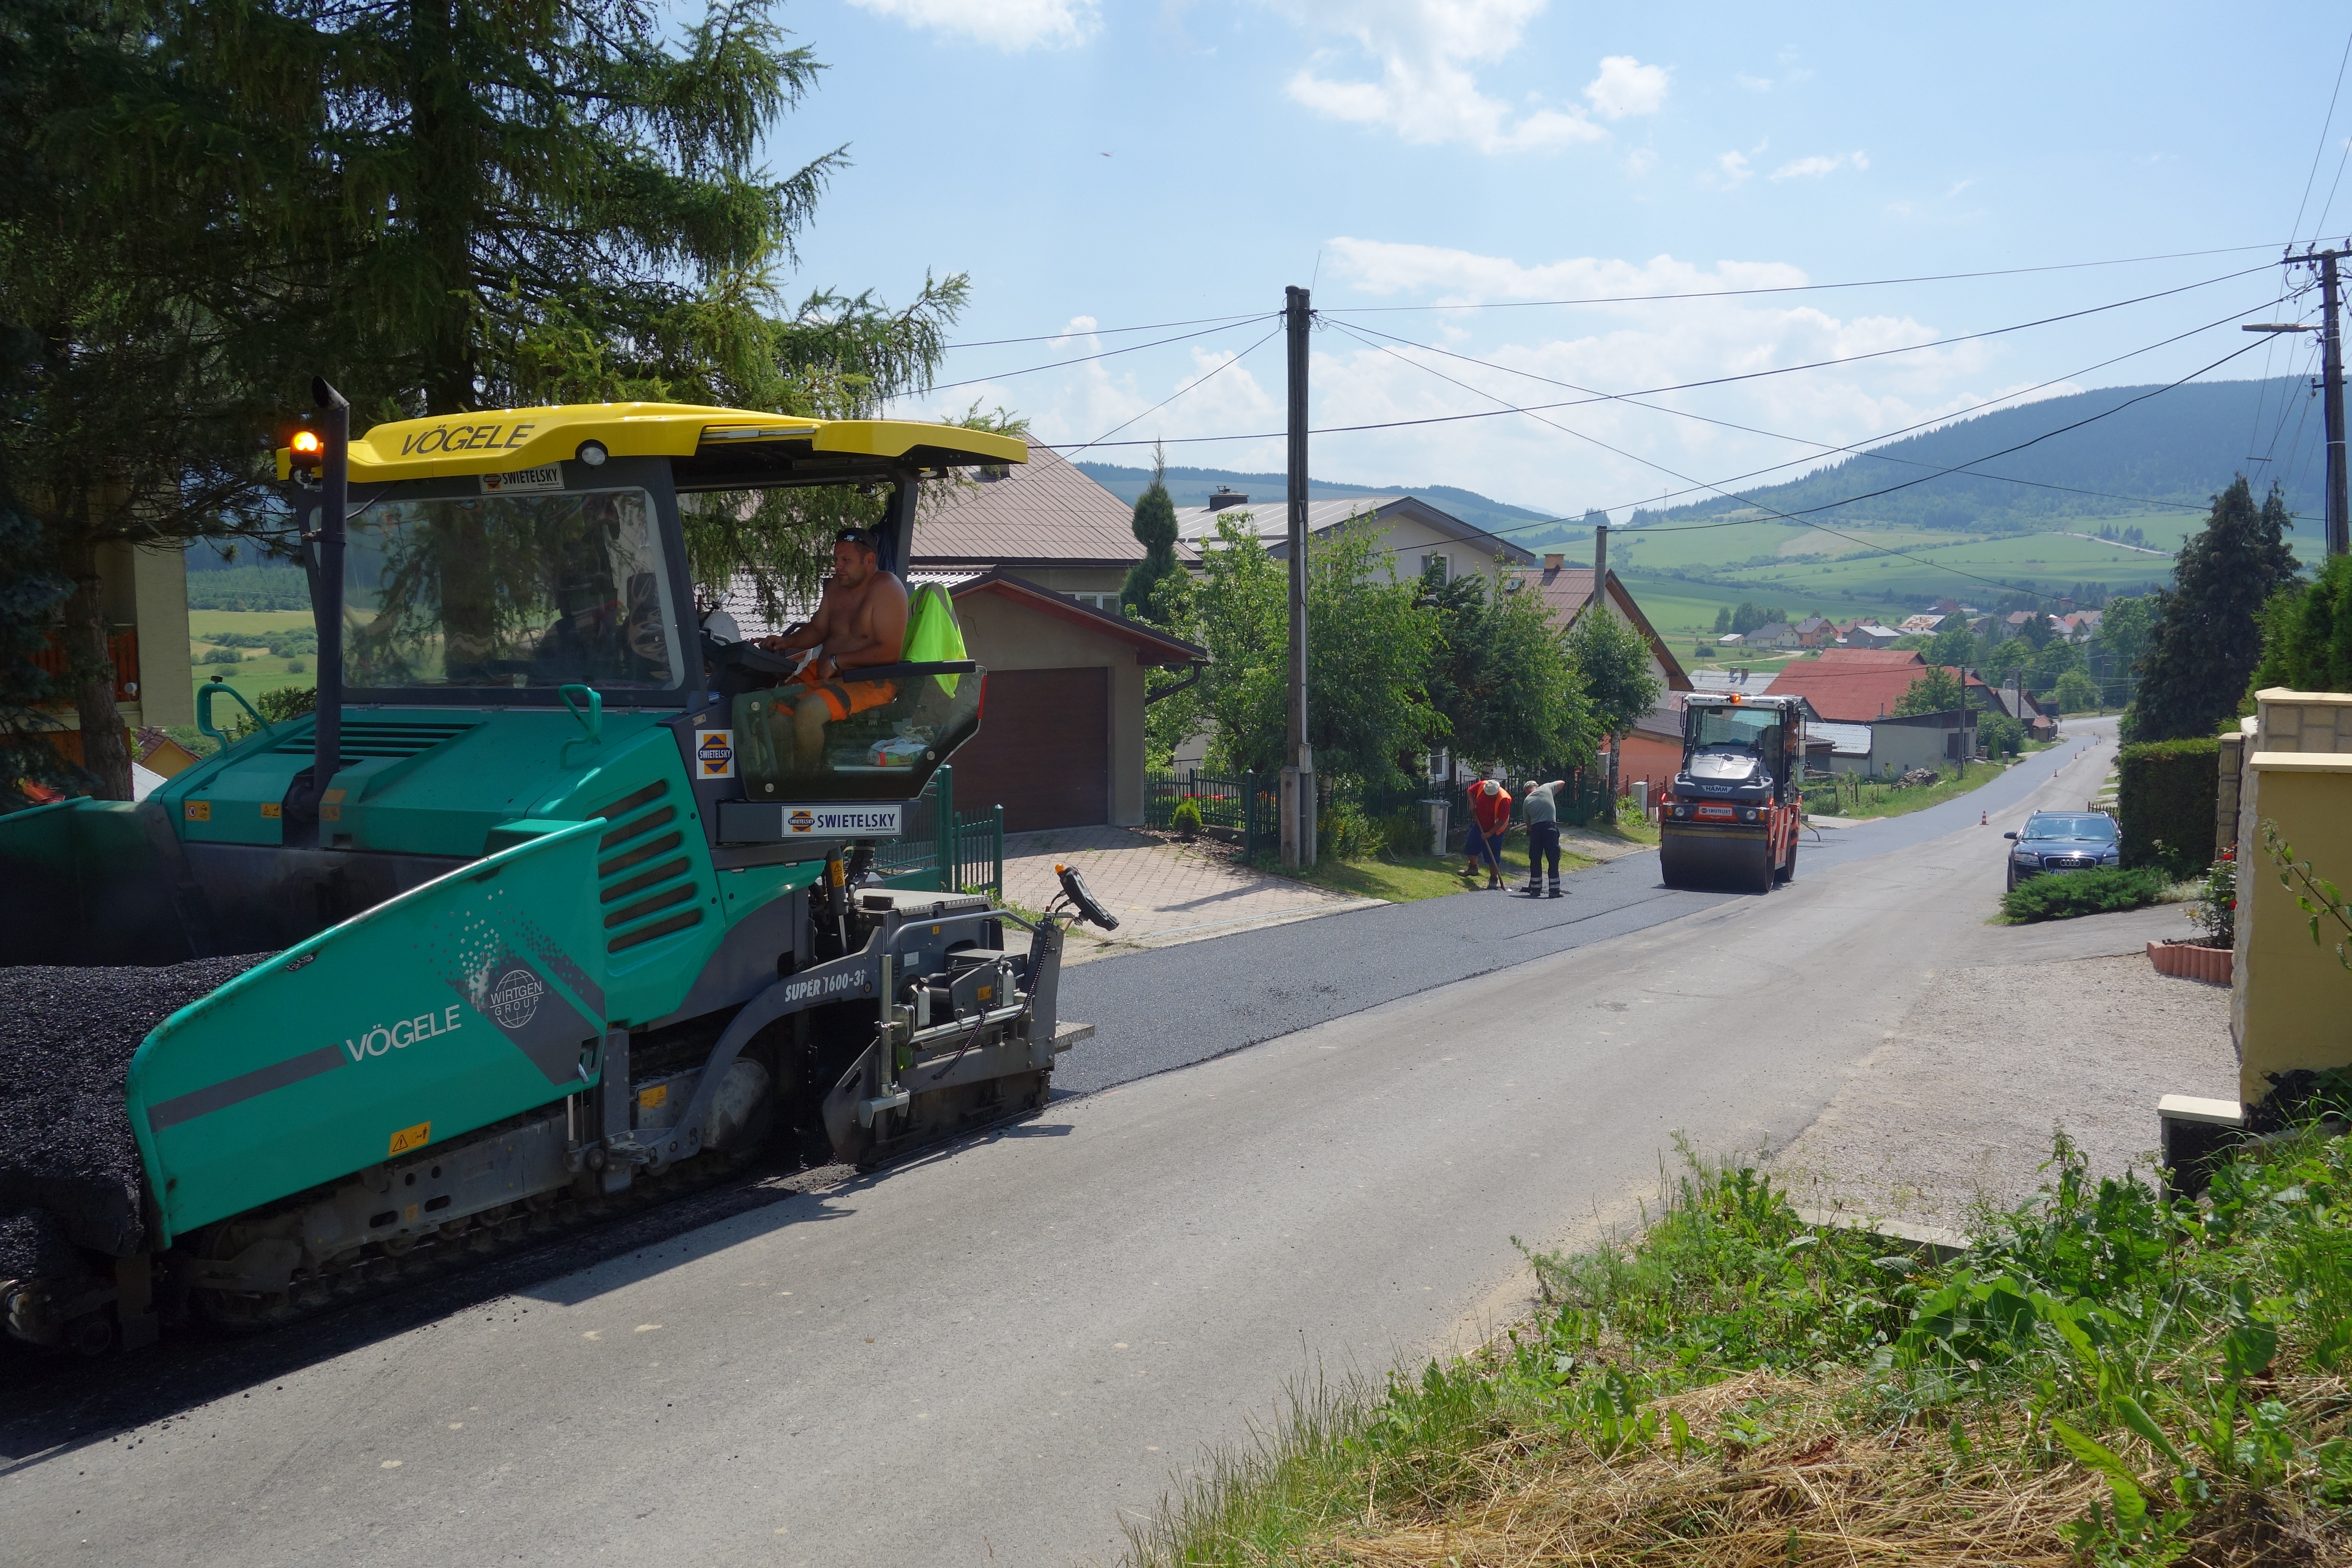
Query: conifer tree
[[1155, 529], [2205, 636]]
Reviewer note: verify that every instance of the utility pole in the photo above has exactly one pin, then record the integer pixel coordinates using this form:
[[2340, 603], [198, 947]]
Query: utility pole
[[2331, 377], [2331, 386], [1298, 776], [1597, 604]]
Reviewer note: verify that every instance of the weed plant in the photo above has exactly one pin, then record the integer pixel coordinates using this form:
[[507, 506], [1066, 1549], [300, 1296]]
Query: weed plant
[[2106, 1376], [2063, 895]]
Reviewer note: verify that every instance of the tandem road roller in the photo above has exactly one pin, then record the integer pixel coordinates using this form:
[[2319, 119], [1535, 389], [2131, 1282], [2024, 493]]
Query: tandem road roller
[[550, 908], [1731, 816]]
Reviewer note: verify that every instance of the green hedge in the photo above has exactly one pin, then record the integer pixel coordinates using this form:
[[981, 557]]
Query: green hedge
[[2063, 895], [2167, 792]]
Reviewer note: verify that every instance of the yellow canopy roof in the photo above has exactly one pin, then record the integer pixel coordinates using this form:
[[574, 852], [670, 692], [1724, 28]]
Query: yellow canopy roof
[[503, 440]]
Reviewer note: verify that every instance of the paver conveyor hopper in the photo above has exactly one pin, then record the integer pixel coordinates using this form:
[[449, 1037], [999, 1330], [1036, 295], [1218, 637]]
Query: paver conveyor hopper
[[549, 906]]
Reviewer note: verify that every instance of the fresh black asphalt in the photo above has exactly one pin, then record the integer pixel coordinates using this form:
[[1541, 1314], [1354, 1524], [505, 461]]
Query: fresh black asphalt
[[1168, 1007]]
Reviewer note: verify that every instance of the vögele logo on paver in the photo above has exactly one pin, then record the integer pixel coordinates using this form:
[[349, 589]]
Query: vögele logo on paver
[[514, 1000]]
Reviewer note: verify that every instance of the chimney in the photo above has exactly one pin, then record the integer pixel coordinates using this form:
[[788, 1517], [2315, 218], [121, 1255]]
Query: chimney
[[1554, 561], [1221, 497]]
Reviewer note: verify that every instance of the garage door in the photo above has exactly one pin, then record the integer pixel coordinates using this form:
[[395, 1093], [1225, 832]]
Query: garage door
[[1043, 751]]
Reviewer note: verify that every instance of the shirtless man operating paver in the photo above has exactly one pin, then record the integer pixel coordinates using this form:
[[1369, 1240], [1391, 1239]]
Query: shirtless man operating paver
[[861, 622]]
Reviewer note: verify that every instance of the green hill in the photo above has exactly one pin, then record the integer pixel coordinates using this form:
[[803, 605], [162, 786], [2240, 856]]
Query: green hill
[[2178, 445]]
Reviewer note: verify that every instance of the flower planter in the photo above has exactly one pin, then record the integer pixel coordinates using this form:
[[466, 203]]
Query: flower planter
[[2191, 961]]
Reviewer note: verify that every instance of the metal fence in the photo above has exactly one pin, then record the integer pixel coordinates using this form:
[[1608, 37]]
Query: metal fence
[[1245, 805], [941, 849]]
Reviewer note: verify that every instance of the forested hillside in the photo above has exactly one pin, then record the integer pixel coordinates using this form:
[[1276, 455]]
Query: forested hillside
[[2179, 445]]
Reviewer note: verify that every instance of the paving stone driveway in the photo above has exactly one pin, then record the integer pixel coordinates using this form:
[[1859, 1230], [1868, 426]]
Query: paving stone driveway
[[1162, 893]]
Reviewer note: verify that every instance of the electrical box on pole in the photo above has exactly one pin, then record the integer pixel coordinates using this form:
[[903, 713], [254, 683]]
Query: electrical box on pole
[[1298, 775]]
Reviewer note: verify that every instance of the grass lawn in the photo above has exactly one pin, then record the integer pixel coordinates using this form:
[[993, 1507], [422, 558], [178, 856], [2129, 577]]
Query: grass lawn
[[1890, 800], [2102, 1377], [258, 671], [1403, 881]]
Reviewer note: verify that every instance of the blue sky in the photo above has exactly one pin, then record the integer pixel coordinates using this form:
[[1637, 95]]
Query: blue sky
[[1100, 165]]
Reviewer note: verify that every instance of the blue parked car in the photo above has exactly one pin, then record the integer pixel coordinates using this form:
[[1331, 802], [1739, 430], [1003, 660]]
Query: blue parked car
[[2062, 841]]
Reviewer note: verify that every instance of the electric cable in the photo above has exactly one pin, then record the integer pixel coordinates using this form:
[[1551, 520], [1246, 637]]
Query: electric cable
[[1823, 446], [1107, 354], [1737, 478], [1797, 287], [2320, 150], [1105, 331], [1680, 386], [1181, 391], [1801, 516], [1641, 299]]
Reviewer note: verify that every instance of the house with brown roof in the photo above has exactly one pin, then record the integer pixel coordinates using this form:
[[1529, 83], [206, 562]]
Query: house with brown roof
[[1416, 537], [1567, 591], [1862, 685], [1043, 520]]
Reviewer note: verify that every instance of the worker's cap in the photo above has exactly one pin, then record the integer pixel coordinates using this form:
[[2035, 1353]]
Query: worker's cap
[[861, 537]]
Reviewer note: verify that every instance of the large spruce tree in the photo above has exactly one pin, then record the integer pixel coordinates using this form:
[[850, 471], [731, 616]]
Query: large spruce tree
[[440, 206], [2205, 638]]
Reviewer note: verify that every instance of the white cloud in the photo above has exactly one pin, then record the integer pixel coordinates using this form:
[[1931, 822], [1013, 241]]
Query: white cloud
[[1010, 25], [1625, 86], [1639, 162], [1426, 92], [1753, 83], [1817, 166], [1734, 168]]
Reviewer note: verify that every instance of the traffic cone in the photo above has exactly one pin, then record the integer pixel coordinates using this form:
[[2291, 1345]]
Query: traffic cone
[[1982, 821]]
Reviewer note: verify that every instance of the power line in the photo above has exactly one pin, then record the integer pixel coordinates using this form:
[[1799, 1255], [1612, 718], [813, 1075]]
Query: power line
[[1798, 287], [1688, 385], [1822, 447], [1105, 331], [2320, 150], [1635, 298], [1801, 516], [1083, 359], [1181, 391]]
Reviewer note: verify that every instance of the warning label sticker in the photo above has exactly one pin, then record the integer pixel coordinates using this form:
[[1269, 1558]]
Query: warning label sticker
[[714, 753]]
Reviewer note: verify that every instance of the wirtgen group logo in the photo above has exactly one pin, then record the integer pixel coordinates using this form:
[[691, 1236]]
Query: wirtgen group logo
[[514, 1000]]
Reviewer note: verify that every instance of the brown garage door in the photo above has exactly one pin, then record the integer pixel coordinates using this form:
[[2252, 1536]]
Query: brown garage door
[[1043, 751]]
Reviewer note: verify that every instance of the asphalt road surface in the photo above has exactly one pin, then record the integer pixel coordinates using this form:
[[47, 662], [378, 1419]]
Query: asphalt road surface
[[998, 1353]]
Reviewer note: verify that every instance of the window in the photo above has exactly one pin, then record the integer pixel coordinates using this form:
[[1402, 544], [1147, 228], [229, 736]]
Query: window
[[510, 590], [1107, 602], [1437, 566]]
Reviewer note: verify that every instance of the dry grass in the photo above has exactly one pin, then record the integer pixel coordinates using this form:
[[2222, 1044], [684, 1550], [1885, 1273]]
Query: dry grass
[[1813, 1493]]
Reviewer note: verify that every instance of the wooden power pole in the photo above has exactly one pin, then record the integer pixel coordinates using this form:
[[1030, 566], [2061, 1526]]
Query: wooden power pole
[[1299, 775], [2331, 385], [2331, 377]]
